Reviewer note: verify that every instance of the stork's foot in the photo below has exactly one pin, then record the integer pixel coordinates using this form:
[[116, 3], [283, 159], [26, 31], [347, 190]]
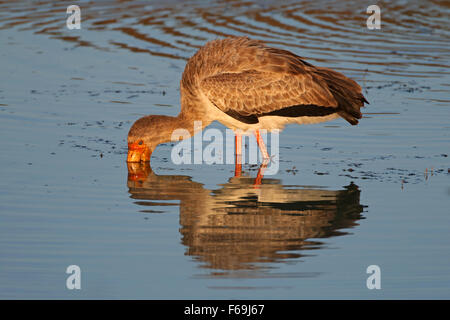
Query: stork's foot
[[237, 167], [238, 153], [260, 174]]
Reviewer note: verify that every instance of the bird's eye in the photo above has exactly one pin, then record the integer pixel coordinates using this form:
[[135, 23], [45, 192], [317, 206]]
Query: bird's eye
[[140, 142]]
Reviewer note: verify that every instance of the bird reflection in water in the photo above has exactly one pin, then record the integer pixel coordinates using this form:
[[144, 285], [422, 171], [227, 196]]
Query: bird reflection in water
[[238, 229]]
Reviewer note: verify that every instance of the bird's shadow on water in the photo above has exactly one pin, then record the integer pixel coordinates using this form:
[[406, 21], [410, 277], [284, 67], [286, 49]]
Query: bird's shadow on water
[[240, 230]]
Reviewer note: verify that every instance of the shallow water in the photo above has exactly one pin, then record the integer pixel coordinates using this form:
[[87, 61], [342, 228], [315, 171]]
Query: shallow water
[[344, 198]]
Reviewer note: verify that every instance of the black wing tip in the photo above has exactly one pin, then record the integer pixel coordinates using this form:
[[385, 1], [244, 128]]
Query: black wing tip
[[305, 110], [350, 118], [249, 119], [364, 100]]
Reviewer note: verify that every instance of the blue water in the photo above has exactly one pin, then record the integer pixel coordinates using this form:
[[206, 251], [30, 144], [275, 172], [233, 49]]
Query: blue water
[[344, 198]]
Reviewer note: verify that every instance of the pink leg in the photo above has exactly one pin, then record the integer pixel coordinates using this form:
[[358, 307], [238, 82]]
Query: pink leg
[[238, 154], [261, 145], [260, 175]]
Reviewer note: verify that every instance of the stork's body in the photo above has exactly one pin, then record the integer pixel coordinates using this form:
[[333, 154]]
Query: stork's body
[[248, 86]]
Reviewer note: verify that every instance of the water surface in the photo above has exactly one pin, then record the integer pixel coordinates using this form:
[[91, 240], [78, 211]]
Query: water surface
[[344, 198]]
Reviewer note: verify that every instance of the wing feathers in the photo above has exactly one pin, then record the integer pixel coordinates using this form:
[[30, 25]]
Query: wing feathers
[[256, 93], [252, 80]]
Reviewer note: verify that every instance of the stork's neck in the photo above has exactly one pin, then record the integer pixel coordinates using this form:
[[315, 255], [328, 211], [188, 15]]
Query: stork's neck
[[188, 122], [185, 125]]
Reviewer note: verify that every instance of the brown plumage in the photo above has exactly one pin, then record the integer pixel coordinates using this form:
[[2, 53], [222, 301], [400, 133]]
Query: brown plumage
[[248, 86]]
